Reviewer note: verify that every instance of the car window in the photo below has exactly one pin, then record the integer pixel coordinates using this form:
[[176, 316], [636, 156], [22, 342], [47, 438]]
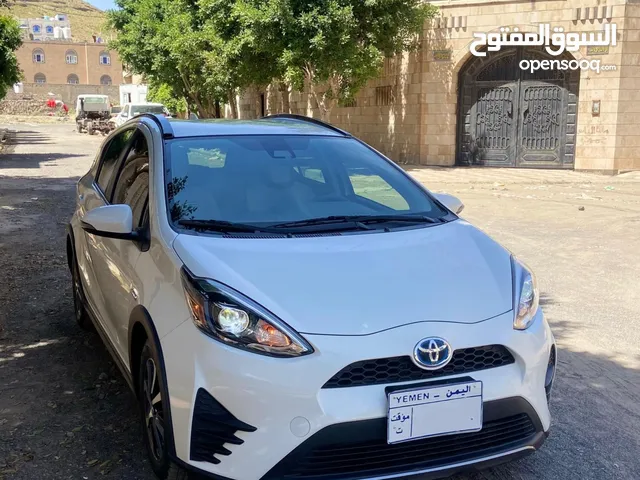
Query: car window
[[273, 179], [109, 161], [132, 184], [136, 109]]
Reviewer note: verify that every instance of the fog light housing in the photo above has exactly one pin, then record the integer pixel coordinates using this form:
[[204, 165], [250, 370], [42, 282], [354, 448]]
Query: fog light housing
[[551, 372]]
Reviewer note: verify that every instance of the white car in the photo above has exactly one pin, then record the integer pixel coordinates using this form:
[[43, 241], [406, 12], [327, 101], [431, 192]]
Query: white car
[[287, 303], [130, 110]]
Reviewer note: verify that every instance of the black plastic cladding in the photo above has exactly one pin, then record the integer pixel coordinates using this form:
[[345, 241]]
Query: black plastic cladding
[[212, 427], [402, 369]]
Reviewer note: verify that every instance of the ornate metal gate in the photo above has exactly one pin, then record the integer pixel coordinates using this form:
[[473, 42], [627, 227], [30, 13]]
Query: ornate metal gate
[[513, 118]]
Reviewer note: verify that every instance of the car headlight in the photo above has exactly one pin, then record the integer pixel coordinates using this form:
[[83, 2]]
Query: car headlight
[[230, 317], [526, 295]]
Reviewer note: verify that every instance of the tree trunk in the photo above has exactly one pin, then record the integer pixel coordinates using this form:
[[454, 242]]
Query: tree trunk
[[284, 92], [233, 104], [257, 101]]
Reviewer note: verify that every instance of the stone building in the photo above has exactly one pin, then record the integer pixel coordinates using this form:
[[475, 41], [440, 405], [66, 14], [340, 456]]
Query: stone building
[[63, 62], [445, 106]]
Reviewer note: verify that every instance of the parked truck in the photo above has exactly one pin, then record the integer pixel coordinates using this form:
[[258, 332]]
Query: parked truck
[[93, 113]]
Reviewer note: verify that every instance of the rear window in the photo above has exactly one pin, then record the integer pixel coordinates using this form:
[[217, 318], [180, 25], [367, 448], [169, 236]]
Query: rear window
[[136, 109]]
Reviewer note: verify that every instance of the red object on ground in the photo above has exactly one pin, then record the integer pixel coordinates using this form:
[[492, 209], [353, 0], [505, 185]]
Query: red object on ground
[[51, 103], [65, 108]]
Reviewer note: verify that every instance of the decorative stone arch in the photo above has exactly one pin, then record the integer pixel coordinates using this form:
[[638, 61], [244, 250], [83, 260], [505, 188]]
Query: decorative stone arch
[[71, 57], [105, 80], [38, 56], [40, 78], [511, 117], [104, 58], [73, 79]]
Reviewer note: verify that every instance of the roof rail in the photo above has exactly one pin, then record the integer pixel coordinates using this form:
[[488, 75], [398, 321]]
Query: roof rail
[[302, 118], [163, 124]]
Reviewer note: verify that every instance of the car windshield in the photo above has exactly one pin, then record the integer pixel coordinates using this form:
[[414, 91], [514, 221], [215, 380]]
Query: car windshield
[[136, 109], [270, 180]]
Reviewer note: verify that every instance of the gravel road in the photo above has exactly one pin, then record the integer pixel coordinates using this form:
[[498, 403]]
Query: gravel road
[[66, 413]]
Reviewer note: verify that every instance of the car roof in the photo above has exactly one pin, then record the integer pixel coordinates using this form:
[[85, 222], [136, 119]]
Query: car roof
[[275, 126]]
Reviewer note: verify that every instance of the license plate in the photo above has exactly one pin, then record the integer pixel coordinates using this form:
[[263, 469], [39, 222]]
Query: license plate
[[433, 411]]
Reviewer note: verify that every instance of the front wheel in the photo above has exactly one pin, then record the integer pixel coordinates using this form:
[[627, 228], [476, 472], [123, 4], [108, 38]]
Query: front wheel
[[79, 309], [153, 408]]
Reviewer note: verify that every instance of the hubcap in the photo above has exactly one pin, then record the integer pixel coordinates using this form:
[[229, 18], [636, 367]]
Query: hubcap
[[152, 399]]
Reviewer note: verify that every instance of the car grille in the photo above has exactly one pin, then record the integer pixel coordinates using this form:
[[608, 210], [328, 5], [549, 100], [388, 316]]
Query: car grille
[[212, 427], [402, 369], [336, 454]]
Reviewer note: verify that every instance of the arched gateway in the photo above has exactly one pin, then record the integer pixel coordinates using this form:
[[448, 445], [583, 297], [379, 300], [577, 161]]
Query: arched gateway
[[514, 118]]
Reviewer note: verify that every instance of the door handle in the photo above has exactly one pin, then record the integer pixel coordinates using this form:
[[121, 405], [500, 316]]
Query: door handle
[[134, 293]]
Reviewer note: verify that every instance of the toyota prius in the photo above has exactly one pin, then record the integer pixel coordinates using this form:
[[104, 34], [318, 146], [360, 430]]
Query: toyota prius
[[287, 303]]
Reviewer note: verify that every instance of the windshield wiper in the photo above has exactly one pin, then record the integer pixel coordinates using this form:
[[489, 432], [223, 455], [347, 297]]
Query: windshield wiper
[[221, 226], [358, 219]]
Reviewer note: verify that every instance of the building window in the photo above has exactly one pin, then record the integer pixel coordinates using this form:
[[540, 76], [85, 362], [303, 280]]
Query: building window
[[49, 29], [385, 96], [73, 79], [71, 57], [105, 80], [105, 58], [36, 29], [38, 56], [40, 78]]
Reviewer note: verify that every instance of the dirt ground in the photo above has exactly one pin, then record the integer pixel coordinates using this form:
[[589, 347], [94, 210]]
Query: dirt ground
[[66, 413]]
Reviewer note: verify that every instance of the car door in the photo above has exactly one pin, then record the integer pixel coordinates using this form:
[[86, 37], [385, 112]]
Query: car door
[[118, 279], [94, 192]]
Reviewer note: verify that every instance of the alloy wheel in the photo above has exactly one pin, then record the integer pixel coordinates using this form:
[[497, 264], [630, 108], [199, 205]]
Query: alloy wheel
[[152, 400]]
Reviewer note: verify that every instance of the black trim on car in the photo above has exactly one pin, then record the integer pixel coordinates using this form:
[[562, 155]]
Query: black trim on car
[[140, 316], [213, 426], [359, 451]]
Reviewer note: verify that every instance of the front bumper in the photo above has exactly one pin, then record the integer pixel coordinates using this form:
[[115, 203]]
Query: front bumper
[[284, 401]]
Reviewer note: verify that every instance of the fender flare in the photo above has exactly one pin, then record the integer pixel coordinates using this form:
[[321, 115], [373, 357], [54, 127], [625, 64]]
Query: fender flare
[[140, 316], [70, 235]]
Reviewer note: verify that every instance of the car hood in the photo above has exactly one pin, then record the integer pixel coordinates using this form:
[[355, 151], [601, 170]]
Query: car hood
[[362, 284]]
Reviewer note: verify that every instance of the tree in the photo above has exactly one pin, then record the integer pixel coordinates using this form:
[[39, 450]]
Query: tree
[[163, 93], [10, 41], [162, 39], [332, 46]]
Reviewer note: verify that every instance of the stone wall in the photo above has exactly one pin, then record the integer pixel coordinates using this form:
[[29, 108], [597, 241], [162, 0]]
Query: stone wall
[[65, 92], [410, 112]]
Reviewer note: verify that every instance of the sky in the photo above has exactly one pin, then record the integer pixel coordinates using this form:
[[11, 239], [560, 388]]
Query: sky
[[102, 4]]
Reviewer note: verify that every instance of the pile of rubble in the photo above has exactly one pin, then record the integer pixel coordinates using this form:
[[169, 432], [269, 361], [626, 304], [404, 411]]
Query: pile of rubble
[[24, 104]]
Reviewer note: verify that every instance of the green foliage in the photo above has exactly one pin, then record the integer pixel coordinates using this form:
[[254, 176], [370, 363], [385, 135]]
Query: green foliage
[[162, 39], [163, 93], [331, 45], [9, 42], [207, 50]]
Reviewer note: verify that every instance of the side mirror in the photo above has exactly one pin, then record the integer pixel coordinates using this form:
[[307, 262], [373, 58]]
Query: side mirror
[[452, 203], [111, 221]]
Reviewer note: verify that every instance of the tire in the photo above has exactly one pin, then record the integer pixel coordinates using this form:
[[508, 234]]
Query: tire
[[153, 406], [79, 309]]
